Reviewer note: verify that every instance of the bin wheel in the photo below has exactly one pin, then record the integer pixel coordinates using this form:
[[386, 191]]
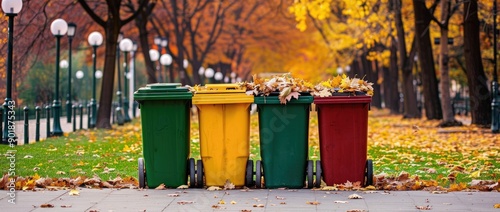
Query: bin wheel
[[199, 173], [249, 174], [369, 172], [258, 174], [192, 173], [319, 172], [142, 173], [310, 174]]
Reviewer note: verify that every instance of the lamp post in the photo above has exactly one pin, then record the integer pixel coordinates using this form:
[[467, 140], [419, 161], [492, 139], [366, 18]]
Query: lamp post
[[182, 72], [79, 75], [155, 55], [64, 65], [119, 110], [166, 60], [209, 73], [59, 27], [95, 40], [233, 77], [201, 72], [126, 46], [157, 40], [11, 8], [495, 102], [134, 51], [164, 44], [218, 77], [69, 104]]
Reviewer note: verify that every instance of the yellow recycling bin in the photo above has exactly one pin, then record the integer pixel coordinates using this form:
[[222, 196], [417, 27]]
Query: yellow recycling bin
[[224, 115]]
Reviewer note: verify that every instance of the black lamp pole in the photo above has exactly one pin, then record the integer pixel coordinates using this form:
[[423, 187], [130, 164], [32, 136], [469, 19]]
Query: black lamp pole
[[495, 102], [69, 104], [9, 134], [56, 106], [119, 110]]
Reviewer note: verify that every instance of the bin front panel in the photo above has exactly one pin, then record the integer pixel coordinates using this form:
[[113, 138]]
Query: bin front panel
[[224, 142], [284, 134], [343, 131], [165, 134]]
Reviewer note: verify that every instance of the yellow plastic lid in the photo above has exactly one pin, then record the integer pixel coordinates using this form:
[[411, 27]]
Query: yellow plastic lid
[[222, 94]]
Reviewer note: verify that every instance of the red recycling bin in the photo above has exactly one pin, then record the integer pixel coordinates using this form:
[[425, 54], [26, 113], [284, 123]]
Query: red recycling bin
[[343, 131]]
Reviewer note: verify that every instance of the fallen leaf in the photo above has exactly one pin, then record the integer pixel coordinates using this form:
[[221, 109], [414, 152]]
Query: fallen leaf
[[218, 207], [228, 185], [184, 202], [355, 196], [341, 202], [424, 208], [313, 203], [213, 188], [183, 187], [65, 206], [233, 202], [439, 192], [60, 172], [74, 192], [173, 195], [161, 187], [329, 188], [357, 210], [28, 156], [280, 198], [258, 205], [221, 202], [496, 205], [46, 205]]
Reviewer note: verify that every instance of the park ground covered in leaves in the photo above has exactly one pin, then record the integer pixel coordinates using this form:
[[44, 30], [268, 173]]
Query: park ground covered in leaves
[[408, 154]]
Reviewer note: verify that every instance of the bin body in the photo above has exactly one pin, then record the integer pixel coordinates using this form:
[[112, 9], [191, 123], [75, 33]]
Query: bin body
[[165, 119], [224, 117], [284, 135], [343, 131]]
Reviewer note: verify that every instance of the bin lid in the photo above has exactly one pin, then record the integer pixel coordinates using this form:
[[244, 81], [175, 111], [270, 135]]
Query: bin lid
[[162, 91], [304, 98], [222, 94], [343, 99]]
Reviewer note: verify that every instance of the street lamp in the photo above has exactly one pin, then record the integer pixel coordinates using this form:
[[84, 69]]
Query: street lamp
[[201, 72], [69, 104], [209, 73], [157, 40], [95, 40], [226, 79], [126, 46], [155, 55], [11, 8], [134, 51], [495, 102], [233, 77], [79, 75], [218, 76], [59, 27], [166, 60]]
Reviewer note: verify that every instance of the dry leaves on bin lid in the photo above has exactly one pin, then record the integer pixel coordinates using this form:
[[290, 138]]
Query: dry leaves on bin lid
[[343, 84], [287, 86]]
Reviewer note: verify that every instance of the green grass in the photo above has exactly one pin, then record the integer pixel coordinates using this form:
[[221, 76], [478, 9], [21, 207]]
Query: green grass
[[111, 153]]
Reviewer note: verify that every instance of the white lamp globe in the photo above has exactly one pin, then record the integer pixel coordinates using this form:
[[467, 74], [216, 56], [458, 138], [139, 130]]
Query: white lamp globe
[[12, 6], [201, 71], [218, 76], [238, 79], [63, 64], [95, 38], [59, 27], [340, 70], [79, 74], [226, 79], [154, 55], [98, 74], [233, 75], [209, 73], [166, 59], [126, 45], [185, 63]]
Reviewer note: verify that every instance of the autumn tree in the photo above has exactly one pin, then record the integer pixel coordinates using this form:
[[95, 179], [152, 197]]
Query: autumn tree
[[480, 98], [110, 18]]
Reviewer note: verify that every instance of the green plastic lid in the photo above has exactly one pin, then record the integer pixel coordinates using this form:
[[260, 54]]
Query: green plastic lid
[[274, 100], [163, 91]]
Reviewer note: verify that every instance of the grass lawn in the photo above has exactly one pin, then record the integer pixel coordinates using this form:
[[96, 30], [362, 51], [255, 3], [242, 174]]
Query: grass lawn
[[456, 156]]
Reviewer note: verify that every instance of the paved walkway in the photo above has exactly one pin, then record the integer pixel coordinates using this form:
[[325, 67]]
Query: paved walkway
[[247, 200]]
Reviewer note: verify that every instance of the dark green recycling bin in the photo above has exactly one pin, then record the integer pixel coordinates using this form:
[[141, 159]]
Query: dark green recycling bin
[[284, 135], [165, 119]]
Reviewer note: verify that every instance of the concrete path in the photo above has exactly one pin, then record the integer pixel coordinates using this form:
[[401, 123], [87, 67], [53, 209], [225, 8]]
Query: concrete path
[[247, 200]]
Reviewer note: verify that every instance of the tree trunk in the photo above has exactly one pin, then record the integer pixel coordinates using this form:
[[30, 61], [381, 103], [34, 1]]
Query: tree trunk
[[391, 75], [480, 99], [104, 112], [444, 83], [410, 99], [372, 76], [423, 18]]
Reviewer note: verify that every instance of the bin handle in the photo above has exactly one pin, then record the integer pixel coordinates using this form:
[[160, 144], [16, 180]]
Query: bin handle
[[223, 87]]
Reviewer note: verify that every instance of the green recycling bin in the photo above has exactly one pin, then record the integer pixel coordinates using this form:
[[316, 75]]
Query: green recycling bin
[[165, 119], [284, 136]]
